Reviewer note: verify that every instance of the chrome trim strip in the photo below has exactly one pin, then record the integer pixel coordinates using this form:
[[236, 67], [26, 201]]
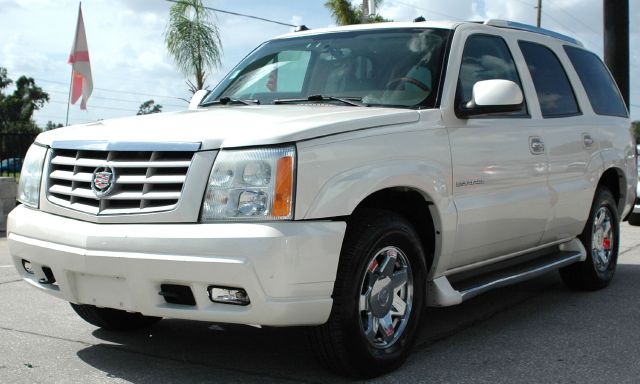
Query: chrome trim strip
[[573, 257], [102, 145]]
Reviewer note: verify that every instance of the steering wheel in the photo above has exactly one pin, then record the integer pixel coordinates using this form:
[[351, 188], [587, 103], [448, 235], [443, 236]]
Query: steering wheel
[[409, 80]]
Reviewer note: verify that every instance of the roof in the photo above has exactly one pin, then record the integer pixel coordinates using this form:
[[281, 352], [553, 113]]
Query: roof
[[434, 24], [372, 26]]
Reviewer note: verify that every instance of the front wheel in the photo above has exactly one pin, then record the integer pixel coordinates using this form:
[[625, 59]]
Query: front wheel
[[113, 319], [600, 238], [378, 297]]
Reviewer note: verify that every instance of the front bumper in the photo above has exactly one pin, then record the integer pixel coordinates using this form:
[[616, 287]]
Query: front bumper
[[287, 268]]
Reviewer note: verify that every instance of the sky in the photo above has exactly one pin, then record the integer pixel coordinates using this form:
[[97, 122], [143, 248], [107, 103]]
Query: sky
[[130, 64]]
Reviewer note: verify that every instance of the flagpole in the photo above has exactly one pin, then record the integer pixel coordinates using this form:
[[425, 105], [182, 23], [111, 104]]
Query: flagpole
[[66, 124]]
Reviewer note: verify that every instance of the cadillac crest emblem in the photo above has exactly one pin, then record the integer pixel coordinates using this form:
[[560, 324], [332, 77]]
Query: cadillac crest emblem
[[103, 180]]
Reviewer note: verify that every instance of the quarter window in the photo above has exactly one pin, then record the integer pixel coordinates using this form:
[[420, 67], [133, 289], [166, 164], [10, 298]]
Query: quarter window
[[597, 82], [554, 90]]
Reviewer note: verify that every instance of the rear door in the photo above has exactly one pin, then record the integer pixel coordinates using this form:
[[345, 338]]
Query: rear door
[[570, 140]]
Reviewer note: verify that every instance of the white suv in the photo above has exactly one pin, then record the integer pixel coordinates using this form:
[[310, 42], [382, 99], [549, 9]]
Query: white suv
[[342, 179]]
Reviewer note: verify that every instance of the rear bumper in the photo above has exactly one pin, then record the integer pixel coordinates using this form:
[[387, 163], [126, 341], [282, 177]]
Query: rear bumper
[[287, 269]]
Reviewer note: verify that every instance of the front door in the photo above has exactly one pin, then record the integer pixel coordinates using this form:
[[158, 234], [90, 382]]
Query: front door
[[499, 164]]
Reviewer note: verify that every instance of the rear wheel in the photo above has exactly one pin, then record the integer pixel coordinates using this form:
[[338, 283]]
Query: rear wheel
[[378, 297], [600, 238], [113, 319]]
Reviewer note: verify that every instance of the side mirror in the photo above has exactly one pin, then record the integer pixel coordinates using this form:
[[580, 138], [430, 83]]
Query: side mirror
[[196, 99], [493, 96]]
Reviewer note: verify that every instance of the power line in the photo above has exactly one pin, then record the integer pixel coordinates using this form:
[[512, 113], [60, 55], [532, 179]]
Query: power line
[[564, 26], [116, 100], [52, 118], [239, 14], [579, 21], [98, 107], [113, 90], [428, 10]]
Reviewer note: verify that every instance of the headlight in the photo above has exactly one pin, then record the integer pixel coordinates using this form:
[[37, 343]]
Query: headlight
[[31, 175], [251, 184]]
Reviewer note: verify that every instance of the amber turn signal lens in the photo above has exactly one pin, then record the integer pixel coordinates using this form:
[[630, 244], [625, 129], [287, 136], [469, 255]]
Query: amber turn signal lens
[[284, 187]]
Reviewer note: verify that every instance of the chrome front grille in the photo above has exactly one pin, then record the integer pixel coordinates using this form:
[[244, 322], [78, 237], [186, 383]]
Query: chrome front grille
[[145, 181]]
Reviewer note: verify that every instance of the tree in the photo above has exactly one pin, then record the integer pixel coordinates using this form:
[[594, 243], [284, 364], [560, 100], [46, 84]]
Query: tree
[[194, 41], [635, 130], [16, 110], [148, 107], [346, 13], [51, 125], [5, 81]]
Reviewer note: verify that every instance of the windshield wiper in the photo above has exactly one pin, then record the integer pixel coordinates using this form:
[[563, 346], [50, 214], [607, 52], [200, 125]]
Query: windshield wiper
[[230, 101], [353, 101]]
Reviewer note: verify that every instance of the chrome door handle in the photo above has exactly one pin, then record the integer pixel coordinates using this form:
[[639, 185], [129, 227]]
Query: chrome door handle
[[587, 139], [536, 145]]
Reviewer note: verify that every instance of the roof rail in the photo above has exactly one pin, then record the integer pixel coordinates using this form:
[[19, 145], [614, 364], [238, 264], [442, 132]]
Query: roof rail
[[530, 28]]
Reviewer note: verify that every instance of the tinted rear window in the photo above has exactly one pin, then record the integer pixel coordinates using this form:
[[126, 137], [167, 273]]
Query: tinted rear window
[[554, 90], [602, 91]]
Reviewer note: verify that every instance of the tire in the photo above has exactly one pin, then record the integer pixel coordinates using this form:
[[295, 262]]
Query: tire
[[368, 298], [634, 219], [113, 319], [600, 237]]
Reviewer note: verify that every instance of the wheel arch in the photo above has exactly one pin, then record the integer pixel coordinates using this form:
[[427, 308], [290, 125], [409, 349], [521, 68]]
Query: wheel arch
[[417, 207], [615, 181]]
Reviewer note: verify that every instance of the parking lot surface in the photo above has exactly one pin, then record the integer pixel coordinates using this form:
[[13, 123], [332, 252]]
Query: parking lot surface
[[534, 332]]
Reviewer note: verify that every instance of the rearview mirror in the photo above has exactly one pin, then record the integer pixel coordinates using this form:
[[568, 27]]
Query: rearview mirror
[[493, 96], [196, 99]]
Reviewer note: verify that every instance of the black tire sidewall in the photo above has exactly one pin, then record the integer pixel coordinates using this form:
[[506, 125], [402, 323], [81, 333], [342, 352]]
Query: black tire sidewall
[[398, 233], [604, 198]]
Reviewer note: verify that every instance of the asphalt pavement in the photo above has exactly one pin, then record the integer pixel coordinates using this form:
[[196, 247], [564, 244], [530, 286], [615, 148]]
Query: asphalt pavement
[[534, 332]]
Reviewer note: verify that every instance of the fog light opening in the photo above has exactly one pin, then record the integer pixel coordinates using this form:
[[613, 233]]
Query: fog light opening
[[227, 295], [26, 264]]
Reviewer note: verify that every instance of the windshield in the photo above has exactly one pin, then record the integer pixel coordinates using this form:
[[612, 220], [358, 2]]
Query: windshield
[[399, 67]]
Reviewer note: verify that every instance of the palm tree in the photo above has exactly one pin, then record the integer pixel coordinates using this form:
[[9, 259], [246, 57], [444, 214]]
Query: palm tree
[[345, 13], [194, 41]]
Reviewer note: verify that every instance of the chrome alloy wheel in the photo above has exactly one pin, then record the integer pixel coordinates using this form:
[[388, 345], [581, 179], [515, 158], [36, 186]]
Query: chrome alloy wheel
[[386, 297], [602, 240]]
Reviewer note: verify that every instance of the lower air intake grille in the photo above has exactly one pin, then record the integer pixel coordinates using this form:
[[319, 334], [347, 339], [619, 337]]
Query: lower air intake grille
[[117, 182]]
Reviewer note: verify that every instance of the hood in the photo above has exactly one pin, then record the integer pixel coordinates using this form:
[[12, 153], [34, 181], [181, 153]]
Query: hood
[[234, 126]]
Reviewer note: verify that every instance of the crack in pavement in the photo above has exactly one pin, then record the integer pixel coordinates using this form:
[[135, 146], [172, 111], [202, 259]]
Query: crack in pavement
[[160, 357], [10, 281]]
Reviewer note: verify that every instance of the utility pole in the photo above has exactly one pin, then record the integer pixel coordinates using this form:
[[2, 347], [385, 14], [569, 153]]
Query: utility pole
[[365, 11], [539, 19], [616, 43]]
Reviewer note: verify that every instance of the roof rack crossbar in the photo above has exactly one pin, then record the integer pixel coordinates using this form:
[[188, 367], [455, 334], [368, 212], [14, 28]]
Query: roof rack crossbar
[[530, 28]]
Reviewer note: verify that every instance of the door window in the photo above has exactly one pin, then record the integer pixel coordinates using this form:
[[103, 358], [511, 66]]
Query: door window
[[554, 90], [486, 57]]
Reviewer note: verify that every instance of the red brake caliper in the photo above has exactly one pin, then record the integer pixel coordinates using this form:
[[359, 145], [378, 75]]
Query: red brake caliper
[[606, 243]]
